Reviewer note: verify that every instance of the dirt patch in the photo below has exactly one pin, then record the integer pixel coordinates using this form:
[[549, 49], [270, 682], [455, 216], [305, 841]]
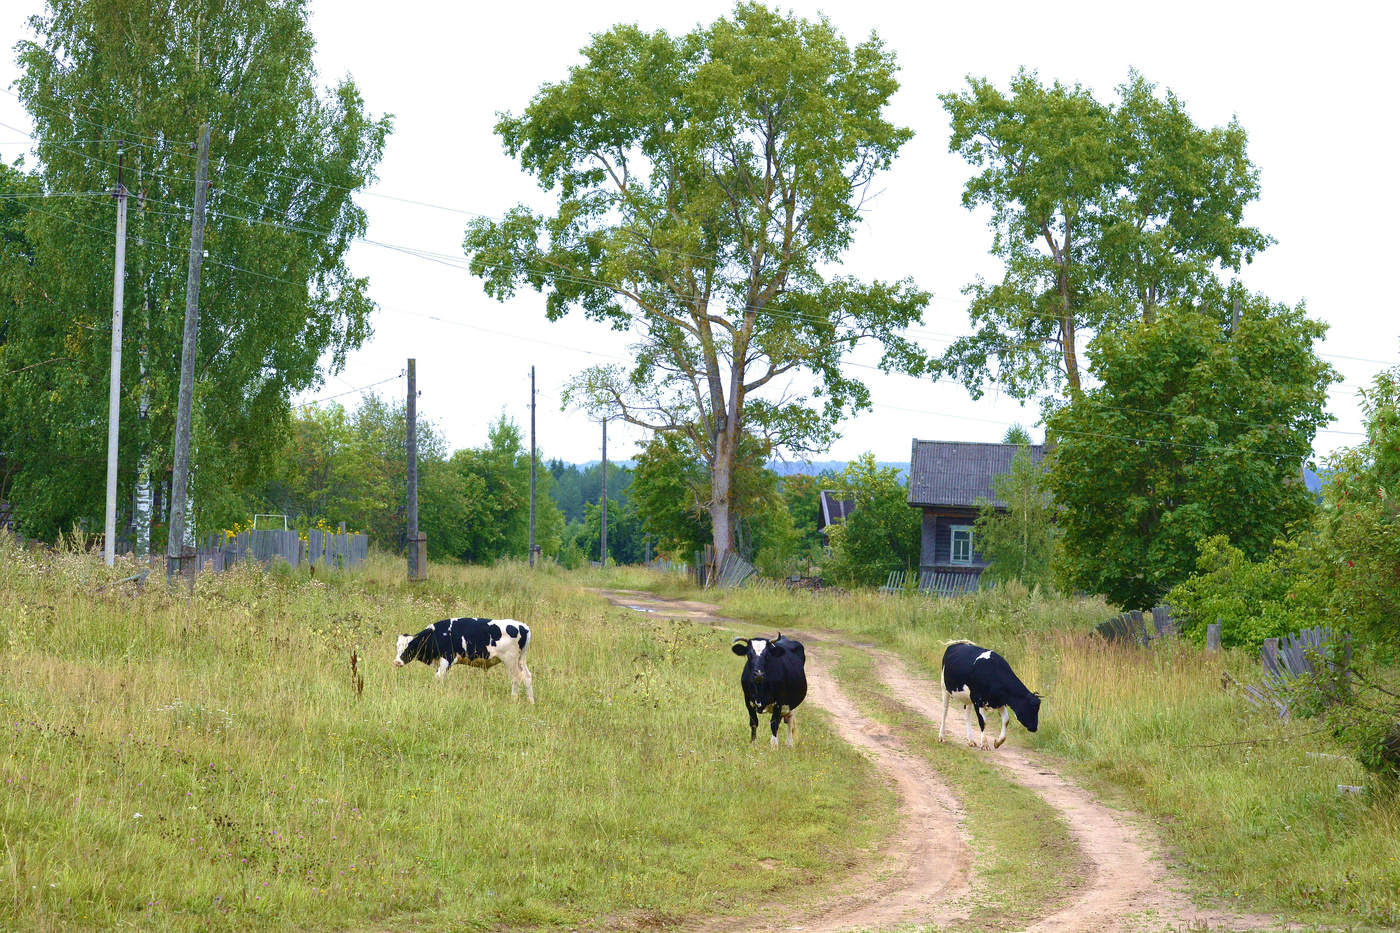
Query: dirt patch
[[1129, 887], [922, 872], [924, 875]]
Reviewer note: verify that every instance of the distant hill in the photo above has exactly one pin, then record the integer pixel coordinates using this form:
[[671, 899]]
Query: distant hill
[[815, 467]]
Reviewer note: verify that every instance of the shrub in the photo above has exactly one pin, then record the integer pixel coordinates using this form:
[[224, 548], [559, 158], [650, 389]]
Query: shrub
[[1252, 600]]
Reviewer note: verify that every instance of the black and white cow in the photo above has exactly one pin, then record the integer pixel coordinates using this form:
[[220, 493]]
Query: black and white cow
[[479, 642], [774, 680], [982, 679]]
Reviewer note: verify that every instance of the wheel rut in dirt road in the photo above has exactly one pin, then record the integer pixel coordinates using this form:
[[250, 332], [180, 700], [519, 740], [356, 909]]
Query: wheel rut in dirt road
[[1130, 888], [923, 877]]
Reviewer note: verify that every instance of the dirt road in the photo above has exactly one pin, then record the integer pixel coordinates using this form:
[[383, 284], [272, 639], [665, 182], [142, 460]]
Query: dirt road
[[926, 872]]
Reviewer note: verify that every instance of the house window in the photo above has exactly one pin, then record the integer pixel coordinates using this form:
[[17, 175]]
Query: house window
[[962, 544]]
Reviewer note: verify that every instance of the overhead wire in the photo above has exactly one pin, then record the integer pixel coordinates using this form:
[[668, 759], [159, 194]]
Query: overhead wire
[[634, 316], [458, 262], [446, 260]]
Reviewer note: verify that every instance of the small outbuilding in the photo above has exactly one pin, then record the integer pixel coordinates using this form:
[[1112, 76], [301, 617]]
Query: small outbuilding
[[834, 510]]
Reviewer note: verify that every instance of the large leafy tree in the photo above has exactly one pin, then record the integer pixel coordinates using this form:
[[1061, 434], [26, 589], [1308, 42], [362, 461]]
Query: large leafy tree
[[706, 183], [668, 491], [1101, 213], [1360, 527], [496, 481], [1193, 432], [111, 83]]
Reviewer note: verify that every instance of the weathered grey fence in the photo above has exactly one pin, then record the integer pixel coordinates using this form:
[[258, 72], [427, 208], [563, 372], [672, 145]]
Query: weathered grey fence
[[1139, 629], [731, 571], [935, 582], [1290, 658], [221, 552], [337, 550]]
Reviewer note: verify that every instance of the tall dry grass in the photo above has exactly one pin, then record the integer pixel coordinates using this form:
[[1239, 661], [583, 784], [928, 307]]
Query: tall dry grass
[[177, 761], [1248, 804]]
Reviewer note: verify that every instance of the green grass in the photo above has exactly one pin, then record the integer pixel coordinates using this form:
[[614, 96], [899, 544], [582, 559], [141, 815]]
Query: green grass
[[271, 795], [1022, 850], [1247, 804]]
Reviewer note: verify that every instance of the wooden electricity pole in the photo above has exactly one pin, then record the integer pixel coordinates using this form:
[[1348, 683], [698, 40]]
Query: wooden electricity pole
[[114, 394], [532, 466], [179, 481], [415, 571], [603, 545]]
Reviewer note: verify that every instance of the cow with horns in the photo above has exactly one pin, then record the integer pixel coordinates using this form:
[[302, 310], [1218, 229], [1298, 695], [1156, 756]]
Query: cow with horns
[[774, 681]]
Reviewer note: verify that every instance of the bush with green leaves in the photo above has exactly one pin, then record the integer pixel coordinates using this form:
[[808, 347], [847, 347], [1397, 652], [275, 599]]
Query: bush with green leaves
[[1252, 600], [882, 532]]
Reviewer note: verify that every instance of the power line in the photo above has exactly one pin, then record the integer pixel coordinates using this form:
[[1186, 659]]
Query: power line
[[632, 315], [362, 388], [445, 259]]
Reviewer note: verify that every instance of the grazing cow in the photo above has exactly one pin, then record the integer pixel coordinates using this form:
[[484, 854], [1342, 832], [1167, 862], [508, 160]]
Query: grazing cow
[[479, 642], [983, 680], [773, 680]]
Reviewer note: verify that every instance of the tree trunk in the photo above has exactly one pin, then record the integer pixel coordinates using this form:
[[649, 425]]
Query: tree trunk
[[1071, 357], [721, 498]]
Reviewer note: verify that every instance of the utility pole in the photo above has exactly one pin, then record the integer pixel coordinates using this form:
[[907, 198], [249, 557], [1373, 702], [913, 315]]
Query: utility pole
[[179, 482], [532, 467], [604, 543], [415, 571], [114, 394]]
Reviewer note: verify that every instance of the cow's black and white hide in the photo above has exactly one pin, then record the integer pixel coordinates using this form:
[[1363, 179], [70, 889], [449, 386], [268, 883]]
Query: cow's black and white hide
[[477, 642], [774, 681], [981, 679]]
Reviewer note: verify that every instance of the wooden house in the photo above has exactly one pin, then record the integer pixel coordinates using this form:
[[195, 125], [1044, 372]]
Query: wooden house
[[946, 478]]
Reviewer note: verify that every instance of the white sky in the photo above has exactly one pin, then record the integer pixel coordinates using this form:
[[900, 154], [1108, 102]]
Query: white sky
[[1311, 85]]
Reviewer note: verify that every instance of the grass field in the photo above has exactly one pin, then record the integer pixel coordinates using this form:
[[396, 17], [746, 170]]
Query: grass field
[[1248, 804], [176, 762]]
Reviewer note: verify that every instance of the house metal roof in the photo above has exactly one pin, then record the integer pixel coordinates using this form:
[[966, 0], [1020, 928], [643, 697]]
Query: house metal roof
[[957, 473], [834, 508]]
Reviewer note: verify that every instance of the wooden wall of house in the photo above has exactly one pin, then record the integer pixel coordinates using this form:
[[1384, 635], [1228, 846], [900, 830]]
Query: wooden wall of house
[[936, 537]]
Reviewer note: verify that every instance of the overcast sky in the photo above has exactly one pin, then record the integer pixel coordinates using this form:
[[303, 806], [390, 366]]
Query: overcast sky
[[1310, 84]]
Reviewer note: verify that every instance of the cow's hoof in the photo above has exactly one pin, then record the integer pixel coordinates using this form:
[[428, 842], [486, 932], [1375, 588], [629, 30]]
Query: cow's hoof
[[971, 744], [999, 742], [773, 743], [790, 743]]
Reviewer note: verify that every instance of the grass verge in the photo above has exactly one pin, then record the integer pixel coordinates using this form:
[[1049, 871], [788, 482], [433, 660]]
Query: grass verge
[[177, 761], [1247, 804]]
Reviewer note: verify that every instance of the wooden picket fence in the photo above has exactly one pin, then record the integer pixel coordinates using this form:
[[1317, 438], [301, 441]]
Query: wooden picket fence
[[218, 553], [1287, 659], [732, 571], [934, 582]]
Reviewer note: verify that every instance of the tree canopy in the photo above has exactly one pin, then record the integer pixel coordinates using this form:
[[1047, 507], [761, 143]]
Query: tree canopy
[[881, 533], [705, 184], [114, 86], [1102, 213], [1193, 432]]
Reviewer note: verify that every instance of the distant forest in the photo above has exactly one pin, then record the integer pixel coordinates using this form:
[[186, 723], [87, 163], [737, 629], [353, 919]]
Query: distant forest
[[578, 486]]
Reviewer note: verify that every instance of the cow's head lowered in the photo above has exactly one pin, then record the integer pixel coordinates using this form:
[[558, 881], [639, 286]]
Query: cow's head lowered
[[408, 647], [1027, 710]]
